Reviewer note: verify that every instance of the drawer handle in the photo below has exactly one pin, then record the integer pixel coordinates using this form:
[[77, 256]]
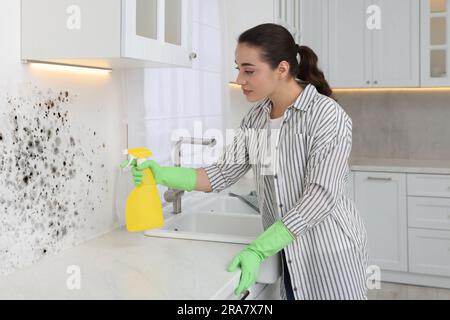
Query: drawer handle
[[379, 179]]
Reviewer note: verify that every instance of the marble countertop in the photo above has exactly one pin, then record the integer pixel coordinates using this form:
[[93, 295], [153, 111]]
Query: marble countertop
[[122, 265], [400, 165]]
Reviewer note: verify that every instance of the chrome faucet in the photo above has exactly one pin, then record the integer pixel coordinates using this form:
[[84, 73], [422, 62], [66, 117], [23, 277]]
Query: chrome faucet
[[173, 195]]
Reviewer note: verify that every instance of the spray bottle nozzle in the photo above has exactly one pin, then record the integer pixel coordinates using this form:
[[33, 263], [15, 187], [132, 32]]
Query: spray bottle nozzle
[[127, 163], [136, 153]]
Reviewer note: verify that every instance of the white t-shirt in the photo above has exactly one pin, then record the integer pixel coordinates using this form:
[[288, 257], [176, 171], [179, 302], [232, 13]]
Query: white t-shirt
[[272, 134]]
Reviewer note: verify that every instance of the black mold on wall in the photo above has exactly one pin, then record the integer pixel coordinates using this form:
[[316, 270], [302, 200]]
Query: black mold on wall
[[47, 173]]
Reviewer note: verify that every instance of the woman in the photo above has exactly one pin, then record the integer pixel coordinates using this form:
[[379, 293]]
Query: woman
[[300, 167]]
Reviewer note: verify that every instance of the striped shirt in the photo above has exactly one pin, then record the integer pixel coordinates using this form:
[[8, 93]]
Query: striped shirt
[[328, 258]]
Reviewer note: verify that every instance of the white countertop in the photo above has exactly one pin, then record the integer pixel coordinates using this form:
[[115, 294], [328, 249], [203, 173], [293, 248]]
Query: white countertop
[[400, 165], [122, 265]]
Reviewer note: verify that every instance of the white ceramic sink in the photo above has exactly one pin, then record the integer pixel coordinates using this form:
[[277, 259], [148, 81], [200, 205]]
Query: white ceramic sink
[[229, 227], [220, 227], [213, 203]]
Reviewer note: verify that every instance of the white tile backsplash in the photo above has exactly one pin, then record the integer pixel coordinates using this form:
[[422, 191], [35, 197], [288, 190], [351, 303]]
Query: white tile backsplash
[[192, 92], [211, 98], [181, 98]]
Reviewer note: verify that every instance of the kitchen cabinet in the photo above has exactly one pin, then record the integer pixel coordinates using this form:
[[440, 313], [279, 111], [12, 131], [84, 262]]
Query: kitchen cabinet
[[435, 38], [108, 33], [429, 252], [396, 49], [366, 54], [381, 200], [243, 15], [313, 29], [349, 44], [429, 224], [407, 217], [287, 14]]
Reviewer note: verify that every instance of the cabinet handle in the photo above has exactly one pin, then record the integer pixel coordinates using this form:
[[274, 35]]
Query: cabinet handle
[[192, 56], [379, 179]]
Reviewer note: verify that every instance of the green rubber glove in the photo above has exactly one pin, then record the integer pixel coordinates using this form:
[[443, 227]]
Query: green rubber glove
[[178, 178], [271, 241]]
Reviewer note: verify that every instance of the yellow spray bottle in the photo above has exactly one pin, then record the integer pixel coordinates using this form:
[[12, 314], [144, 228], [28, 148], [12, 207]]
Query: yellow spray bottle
[[143, 209]]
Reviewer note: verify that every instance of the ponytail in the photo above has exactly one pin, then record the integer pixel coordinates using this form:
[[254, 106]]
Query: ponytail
[[309, 72]]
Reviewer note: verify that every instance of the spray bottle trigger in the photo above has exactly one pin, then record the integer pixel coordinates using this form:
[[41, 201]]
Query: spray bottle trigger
[[140, 161]]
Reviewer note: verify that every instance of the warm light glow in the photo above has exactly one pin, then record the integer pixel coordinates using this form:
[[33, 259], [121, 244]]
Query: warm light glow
[[68, 68], [356, 90]]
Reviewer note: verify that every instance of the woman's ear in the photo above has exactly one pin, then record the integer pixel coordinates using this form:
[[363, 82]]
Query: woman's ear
[[283, 70]]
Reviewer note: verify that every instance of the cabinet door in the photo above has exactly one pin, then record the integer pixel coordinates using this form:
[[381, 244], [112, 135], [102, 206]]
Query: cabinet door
[[381, 201], [429, 252], [70, 29], [314, 29], [287, 13], [158, 30], [396, 44], [349, 44], [435, 38]]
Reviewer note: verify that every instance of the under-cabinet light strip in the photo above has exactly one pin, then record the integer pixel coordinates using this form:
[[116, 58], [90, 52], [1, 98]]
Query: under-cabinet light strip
[[67, 65]]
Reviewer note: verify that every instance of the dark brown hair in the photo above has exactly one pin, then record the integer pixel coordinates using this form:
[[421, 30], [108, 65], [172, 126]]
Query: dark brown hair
[[277, 44]]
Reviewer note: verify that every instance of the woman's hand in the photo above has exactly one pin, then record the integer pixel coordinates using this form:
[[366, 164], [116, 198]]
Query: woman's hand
[[173, 177], [249, 263], [268, 243]]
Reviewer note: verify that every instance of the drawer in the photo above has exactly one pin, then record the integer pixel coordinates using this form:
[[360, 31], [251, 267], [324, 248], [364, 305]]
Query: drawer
[[429, 252], [428, 185], [430, 213]]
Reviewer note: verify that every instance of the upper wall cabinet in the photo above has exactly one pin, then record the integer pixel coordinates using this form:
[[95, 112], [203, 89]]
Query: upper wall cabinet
[[108, 33], [350, 44], [435, 35], [313, 28], [396, 53], [287, 13], [373, 43]]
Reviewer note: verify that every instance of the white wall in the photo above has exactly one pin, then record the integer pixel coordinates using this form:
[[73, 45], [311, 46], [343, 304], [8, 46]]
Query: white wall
[[57, 191], [61, 191]]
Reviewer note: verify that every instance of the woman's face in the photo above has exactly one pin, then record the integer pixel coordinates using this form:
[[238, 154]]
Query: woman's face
[[255, 77]]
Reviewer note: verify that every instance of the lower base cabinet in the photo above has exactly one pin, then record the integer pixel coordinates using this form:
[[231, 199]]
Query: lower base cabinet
[[429, 252], [407, 217]]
